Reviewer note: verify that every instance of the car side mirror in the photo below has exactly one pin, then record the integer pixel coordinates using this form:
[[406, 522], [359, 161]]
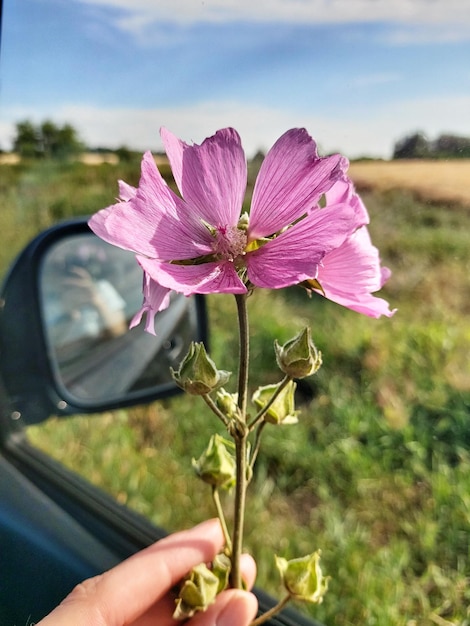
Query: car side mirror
[[64, 328]]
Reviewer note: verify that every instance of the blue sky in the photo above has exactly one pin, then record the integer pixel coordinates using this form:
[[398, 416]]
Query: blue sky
[[359, 74]]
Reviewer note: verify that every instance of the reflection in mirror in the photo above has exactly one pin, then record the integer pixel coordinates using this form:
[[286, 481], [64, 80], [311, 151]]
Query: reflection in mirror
[[90, 291]]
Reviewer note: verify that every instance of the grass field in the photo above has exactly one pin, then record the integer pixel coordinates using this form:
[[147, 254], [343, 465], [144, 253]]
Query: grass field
[[377, 473], [438, 181]]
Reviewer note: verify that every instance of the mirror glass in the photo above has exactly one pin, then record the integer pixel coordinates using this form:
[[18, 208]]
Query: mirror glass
[[90, 291]]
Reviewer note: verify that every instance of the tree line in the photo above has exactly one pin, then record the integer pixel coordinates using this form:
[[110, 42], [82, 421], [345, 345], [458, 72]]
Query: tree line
[[417, 146], [49, 140], [46, 140]]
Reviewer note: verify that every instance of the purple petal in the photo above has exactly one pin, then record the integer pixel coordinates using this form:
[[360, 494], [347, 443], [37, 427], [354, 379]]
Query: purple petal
[[121, 225], [179, 236], [295, 255], [131, 225], [150, 222], [156, 298], [350, 273], [126, 191], [290, 182], [212, 176], [212, 277], [367, 304], [343, 191]]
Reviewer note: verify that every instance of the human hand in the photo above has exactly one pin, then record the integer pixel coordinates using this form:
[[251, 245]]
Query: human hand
[[137, 592]]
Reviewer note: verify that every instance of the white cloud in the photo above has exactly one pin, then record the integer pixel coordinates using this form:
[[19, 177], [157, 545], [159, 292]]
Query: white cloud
[[374, 133], [417, 34], [369, 80], [143, 12]]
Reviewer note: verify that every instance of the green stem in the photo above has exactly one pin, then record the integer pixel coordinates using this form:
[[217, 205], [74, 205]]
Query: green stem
[[240, 435], [265, 616], [257, 445], [244, 353], [220, 513], [239, 513], [262, 412], [215, 409]]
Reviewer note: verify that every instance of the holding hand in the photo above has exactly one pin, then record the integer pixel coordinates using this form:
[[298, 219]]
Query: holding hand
[[137, 592]]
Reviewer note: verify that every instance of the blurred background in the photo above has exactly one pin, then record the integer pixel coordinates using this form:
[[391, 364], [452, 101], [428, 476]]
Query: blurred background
[[377, 473]]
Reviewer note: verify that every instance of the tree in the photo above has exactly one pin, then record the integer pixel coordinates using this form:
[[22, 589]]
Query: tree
[[452, 146], [414, 146], [47, 140], [26, 140], [446, 146]]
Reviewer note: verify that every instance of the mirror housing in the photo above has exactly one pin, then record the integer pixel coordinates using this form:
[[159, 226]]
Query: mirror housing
[[65, 347]]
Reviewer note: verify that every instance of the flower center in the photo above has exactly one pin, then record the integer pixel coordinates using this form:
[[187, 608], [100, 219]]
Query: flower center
[[229, 242]]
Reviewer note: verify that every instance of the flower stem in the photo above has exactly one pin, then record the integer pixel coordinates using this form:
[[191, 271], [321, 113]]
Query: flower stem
[[265, 616], [220, 513], [215, 409], [257, 445], [262, 412], [240, 435], [244, 353], [239, 512]]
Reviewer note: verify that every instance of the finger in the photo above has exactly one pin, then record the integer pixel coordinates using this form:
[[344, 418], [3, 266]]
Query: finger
[[248, 568], [163, 610], [125, 592], [233, 607]]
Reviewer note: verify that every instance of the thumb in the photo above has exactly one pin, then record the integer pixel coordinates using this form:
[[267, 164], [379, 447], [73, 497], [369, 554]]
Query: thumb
[[233, 607]]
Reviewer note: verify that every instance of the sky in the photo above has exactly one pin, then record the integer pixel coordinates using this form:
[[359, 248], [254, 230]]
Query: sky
[[358, 74]]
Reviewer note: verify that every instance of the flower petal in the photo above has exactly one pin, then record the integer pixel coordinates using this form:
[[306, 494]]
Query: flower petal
[[215, 277], [343, 191], [126, 191], [290, 182], [178, 236], [131, 224], [212, 176], [150, 222], [156, 298], [295, 255], [352, 272]]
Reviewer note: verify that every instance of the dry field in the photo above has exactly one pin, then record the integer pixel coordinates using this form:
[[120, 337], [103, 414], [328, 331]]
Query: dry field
[[439, 181]]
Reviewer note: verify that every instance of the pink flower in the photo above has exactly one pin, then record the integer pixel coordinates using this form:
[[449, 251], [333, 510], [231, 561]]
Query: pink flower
[[201, 243], [350, 273]]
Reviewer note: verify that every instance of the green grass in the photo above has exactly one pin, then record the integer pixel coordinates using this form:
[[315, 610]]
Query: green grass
[[376, 474]]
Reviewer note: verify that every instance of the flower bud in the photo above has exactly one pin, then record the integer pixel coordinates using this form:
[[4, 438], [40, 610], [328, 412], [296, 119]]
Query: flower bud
[[303, 577], [282, 410], [227, 403], [216, 465], [221, 567], [197, 373], [198, 591], [298, 357]]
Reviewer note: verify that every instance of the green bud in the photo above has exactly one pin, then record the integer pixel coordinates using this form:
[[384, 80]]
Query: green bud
[[216, 465], [303, 577], [221, 567], [227, 403], [197, 373], [298, 357], [282, 410], [198, 591]]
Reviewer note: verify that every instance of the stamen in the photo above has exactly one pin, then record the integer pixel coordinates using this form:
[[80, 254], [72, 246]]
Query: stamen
[[230, 242]]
